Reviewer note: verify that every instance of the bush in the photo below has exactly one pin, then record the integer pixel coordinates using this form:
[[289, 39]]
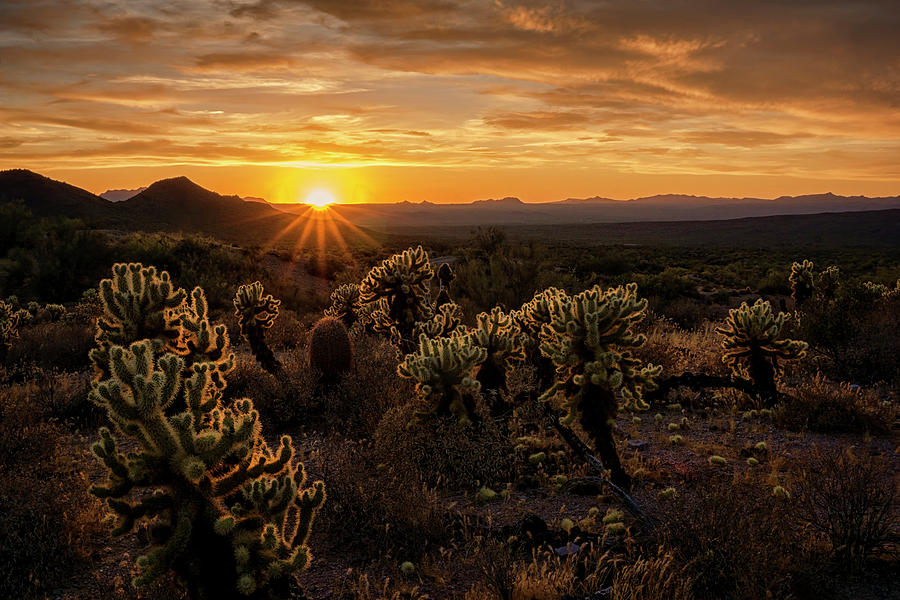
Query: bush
[[700, 526], [826, 407], [379, 509], [442, 452], [848, 501]]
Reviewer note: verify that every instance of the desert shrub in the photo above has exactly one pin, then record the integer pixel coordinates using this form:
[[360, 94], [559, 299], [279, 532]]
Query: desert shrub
[[827, 407], [764, 560], [856, 325], [850, 502], [64, 345], [359, 586], [46, 510], [380, 509], [442, 452], [680, 350]]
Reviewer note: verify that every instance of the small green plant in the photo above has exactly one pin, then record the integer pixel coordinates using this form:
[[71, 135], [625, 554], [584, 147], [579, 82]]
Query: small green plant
[[228, 515], [402, 281], [256, 312], [717, 460], [588, 339], [444, 372], [802, 282], [330, 349], [345, 304], [754, 339]]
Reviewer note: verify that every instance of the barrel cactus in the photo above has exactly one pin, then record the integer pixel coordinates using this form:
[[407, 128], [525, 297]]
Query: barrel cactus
[[230, 516], [754, 340], [588, 339], [402, 281], [256, 312], [444, 372], [330, 349]]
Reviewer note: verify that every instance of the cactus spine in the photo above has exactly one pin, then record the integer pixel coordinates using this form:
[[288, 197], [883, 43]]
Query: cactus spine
[[446, 321], [256, 313], [345, 304], [583, 340], [754, 339], [443, 369], [801, 279], [227, 514], [330, 349], [401, 281]]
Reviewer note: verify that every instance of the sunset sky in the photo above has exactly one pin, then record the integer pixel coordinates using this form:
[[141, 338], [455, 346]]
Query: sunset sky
[[394, 100]]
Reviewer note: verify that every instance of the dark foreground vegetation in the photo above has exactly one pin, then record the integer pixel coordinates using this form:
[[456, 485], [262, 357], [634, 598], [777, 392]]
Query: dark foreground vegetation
[[511, 420]]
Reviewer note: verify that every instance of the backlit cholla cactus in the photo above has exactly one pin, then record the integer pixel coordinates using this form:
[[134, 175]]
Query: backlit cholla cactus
[[138, 304], [530, 320], [227, 514], [401, 281], [754, 340], [504, 344], [55, 312], [9, 323], [802, 281], [345, 304], [444, 371], [588, 339], [256, 312], [446, 321]]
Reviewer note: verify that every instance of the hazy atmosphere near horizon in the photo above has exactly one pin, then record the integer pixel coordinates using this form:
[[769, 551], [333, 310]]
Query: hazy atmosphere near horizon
[[384, 101]]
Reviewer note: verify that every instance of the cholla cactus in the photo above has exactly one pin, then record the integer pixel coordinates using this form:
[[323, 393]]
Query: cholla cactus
[[447, 321], [345, 304], [503, 342], [801, 278], [9, 323], [227, 514], [754, 339], [530, 319], [583, 339], [443, 369], [137, 304], [255, 313], [402, 281]]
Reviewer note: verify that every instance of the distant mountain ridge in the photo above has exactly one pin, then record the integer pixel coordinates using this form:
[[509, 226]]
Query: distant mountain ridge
[[175, 205], [179, 204], [121, 195]]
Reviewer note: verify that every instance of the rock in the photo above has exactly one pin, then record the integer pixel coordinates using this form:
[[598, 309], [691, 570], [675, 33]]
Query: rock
[[638, 444], [569, 549]]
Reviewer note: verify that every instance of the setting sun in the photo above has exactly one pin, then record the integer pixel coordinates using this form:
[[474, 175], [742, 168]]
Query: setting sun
[[320, 198]]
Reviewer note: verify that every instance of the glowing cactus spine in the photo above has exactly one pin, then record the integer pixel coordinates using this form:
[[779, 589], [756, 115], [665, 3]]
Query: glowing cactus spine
[[443, 369], [228, 515], [256, 312], [588, 339], [401, 281], [754, 340]]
